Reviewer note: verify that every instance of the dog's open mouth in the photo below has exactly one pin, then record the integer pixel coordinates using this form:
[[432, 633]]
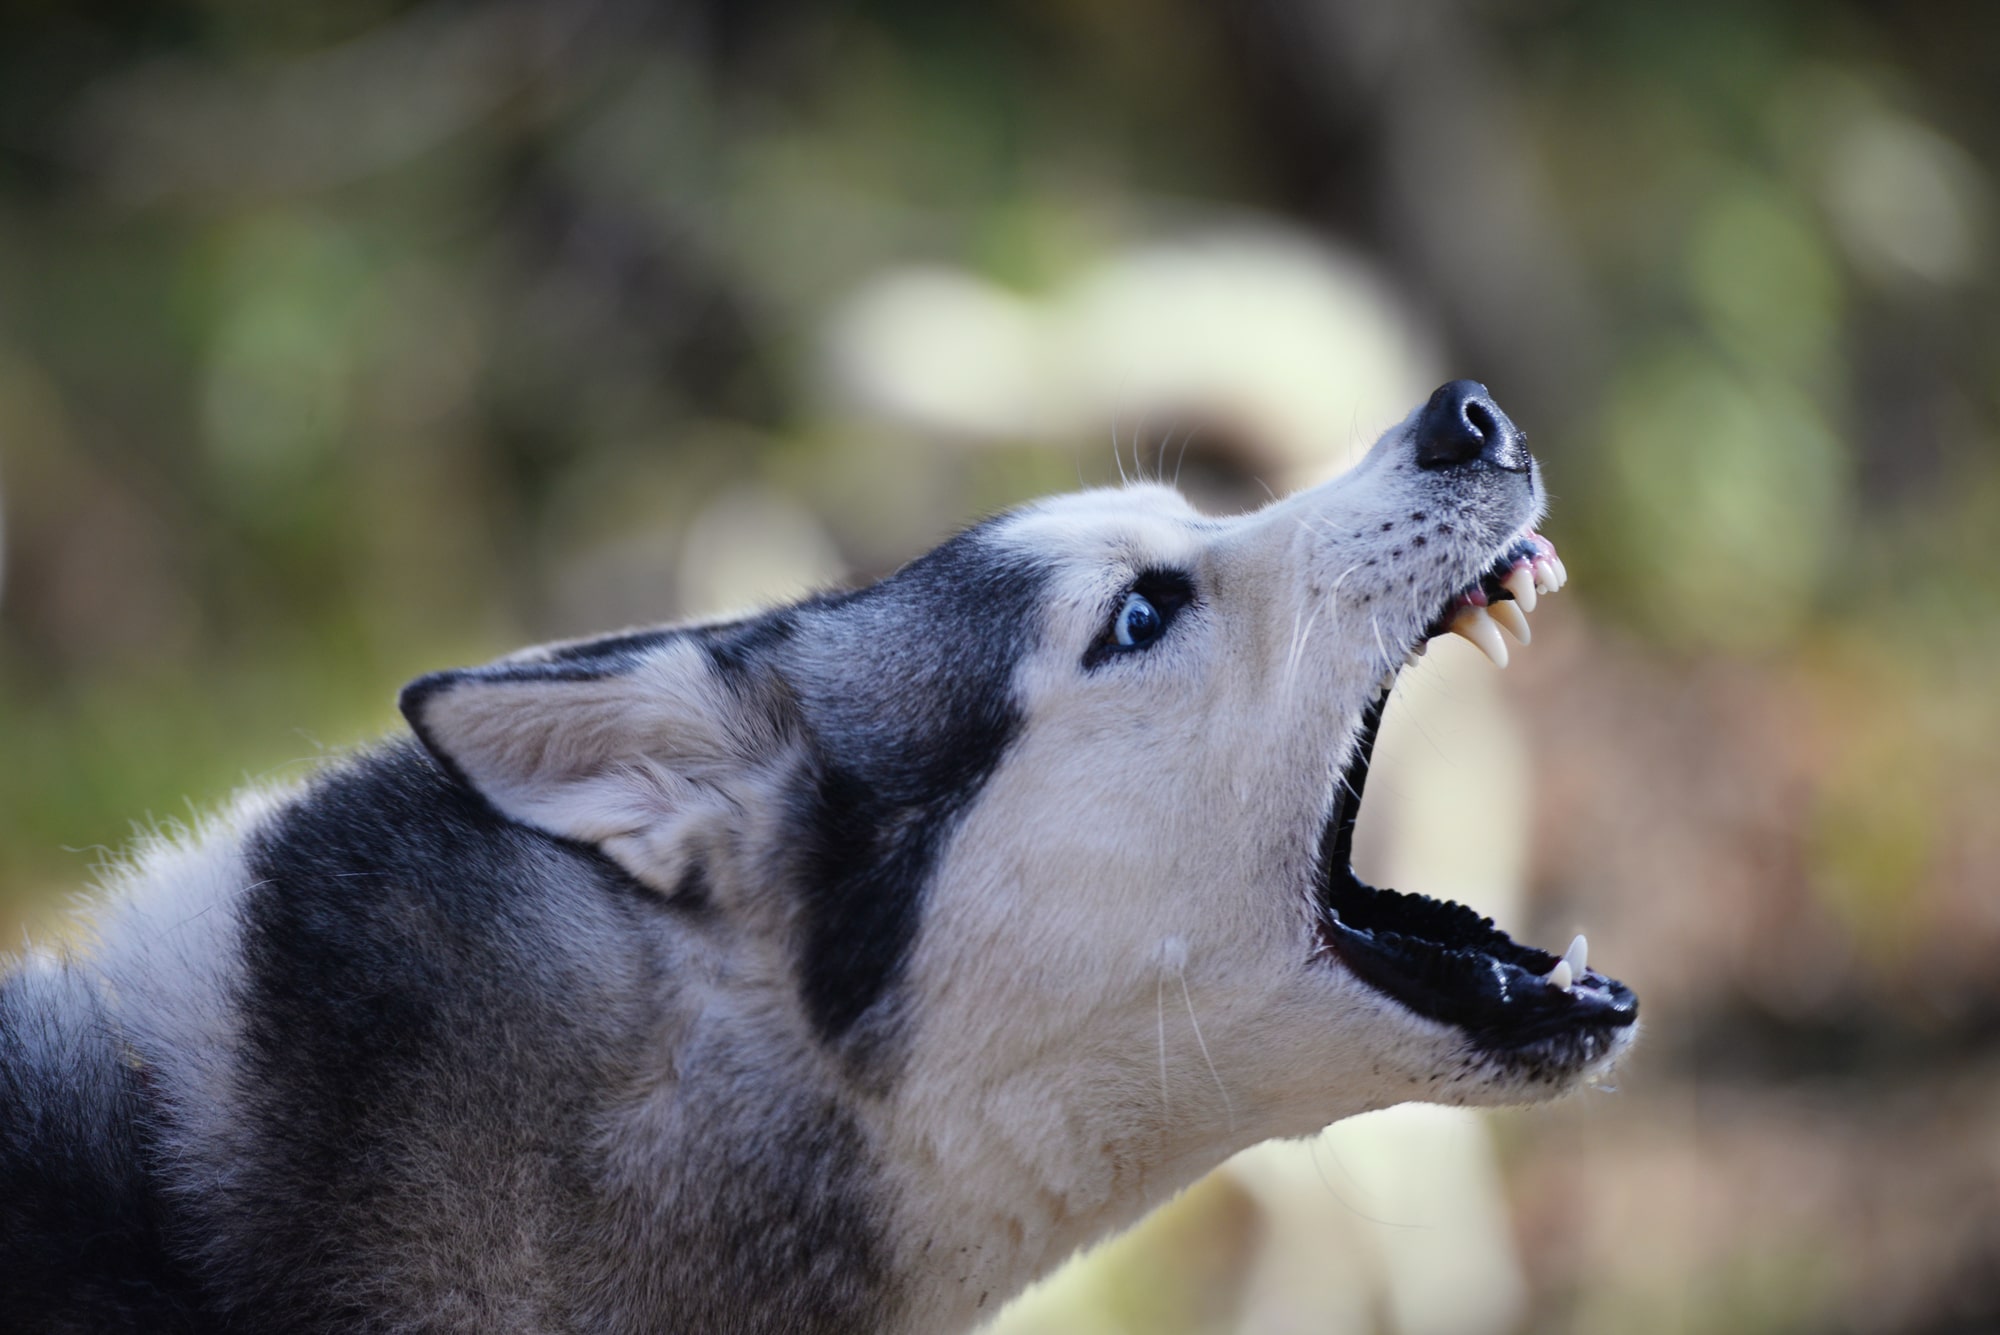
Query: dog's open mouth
[[1441, 959]]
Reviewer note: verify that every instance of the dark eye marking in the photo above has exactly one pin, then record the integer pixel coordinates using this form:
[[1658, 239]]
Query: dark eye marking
[[1140, 615]]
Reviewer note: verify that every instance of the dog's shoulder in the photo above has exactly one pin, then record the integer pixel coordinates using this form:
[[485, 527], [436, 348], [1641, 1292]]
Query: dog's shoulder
[[84, 1241], [277, 1021]]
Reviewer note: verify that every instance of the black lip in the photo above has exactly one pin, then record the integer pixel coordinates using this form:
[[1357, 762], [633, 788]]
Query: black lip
[[1439, 958]]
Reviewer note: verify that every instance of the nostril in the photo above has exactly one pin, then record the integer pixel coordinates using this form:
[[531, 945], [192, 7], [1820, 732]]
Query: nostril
[[1461, 423], [1479, 416], [1448, 431]]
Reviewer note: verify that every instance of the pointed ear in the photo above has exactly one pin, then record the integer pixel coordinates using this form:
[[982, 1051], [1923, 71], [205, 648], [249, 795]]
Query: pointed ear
[[630, 748]]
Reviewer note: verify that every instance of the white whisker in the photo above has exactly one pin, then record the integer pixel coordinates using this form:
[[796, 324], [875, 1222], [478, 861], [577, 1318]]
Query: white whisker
[[1291, 653], [1181, 458], [1297, 656], [1202, 1043], [1312, 1149]]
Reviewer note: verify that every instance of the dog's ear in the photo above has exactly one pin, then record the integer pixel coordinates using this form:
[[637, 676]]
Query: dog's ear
[[629, 747]]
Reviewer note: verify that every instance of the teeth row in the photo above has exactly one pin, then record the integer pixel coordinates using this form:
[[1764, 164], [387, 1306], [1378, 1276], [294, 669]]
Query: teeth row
[[1571, 966], [1550, 573], [1481, 623]]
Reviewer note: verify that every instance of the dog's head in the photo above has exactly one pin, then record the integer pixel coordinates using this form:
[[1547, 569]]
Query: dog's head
[[1059, 814]]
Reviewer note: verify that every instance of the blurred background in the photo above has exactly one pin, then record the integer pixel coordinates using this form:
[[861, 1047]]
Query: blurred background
[[344, 341]]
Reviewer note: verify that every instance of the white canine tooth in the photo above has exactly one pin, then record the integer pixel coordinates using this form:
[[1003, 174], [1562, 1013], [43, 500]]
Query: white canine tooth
[[1559, 976], [1577, 956], [1512, 620], [1520, 582], [1475, 625], [1545, 576]]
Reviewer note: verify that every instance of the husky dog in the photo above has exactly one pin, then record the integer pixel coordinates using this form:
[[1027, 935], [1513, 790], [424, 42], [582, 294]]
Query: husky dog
[[805, 972]]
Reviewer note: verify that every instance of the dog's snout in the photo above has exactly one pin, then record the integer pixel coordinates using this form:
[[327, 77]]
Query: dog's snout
[[1461, 423]]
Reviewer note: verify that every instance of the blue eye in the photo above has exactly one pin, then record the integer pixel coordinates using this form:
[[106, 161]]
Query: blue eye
[[1150, 603], [1139, 623]]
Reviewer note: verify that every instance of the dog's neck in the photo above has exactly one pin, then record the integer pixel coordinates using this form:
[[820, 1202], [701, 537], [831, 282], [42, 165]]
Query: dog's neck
[[1001, 1178], [997, 1191]]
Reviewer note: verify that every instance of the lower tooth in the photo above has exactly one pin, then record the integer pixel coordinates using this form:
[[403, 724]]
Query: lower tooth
[[1477, 625], [1559, 977]]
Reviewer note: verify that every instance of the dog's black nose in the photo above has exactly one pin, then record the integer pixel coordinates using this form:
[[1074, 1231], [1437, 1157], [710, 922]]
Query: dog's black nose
[[1461, 423]]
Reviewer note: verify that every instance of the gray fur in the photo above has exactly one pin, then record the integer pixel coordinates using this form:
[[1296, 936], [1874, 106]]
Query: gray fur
[[789, 974]]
